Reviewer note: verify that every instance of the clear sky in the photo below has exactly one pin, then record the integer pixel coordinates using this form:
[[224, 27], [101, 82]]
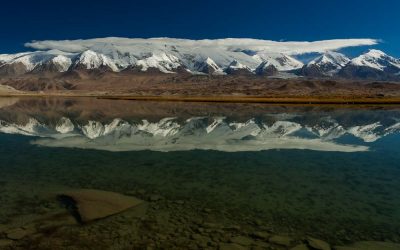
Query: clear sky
[[295, 20]]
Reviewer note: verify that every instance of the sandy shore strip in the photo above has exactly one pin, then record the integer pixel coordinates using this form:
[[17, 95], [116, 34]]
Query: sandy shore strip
[[346, 100], [257, 99]]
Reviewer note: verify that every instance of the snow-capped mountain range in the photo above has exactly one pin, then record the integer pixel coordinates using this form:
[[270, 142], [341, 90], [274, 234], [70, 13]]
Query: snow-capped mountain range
[[218, 57], [215, 133], [168, 61]]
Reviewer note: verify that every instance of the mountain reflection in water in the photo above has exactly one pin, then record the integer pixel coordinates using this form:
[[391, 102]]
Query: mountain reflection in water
[[63, 123]]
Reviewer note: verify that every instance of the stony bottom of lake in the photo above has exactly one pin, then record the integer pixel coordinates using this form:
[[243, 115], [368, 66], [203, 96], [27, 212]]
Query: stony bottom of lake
[[198, 199], [161, 223]]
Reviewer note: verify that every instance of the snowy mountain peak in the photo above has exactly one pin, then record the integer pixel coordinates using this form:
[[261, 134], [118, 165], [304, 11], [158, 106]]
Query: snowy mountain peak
[[93, 60], [327, 64], [331, 57], [6, 58], [236, 68], [208, 66], [62, 62], [375, 53], [166, 63], [267, 69], [280, 61], [376, 59]]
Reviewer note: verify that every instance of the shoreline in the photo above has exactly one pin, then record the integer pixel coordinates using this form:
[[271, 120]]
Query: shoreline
[[256, 99], [316, 100]]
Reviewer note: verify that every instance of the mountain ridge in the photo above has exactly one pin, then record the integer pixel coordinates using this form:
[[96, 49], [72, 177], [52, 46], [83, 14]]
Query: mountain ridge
[[212, 57], [373, 64]]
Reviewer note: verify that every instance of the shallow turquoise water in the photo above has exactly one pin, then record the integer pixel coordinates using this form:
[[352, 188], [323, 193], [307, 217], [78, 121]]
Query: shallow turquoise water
[[339, 184]]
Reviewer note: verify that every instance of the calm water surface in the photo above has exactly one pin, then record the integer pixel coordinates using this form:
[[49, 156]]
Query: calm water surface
[[327, 172]]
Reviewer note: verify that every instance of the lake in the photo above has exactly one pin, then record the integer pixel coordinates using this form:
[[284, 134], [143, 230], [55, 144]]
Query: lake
[[208, 174]]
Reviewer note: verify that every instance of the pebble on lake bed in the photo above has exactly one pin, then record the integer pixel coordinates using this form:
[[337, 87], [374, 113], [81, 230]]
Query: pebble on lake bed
[[242, 240], [231, 246], [281, 240], [155, 197], [19, 233], [261, 235], [318, 244]]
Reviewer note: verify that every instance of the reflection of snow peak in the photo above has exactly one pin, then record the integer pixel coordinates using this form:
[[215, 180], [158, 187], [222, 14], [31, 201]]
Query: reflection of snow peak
[[366, 132], [165, 127], [65, 126], [282, 128], [217, 133], [93, 129], [216, 123], [32, 128]]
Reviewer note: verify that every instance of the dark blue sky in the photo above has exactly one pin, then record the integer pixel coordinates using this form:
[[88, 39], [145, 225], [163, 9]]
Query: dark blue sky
[[299, 20]]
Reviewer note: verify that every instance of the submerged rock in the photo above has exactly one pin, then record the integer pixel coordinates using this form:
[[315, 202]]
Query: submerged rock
[[242, 240], [261, 235], [281, 240], [231, 246], [318, 244], [88, 204], [19, 233], [155, 197]]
